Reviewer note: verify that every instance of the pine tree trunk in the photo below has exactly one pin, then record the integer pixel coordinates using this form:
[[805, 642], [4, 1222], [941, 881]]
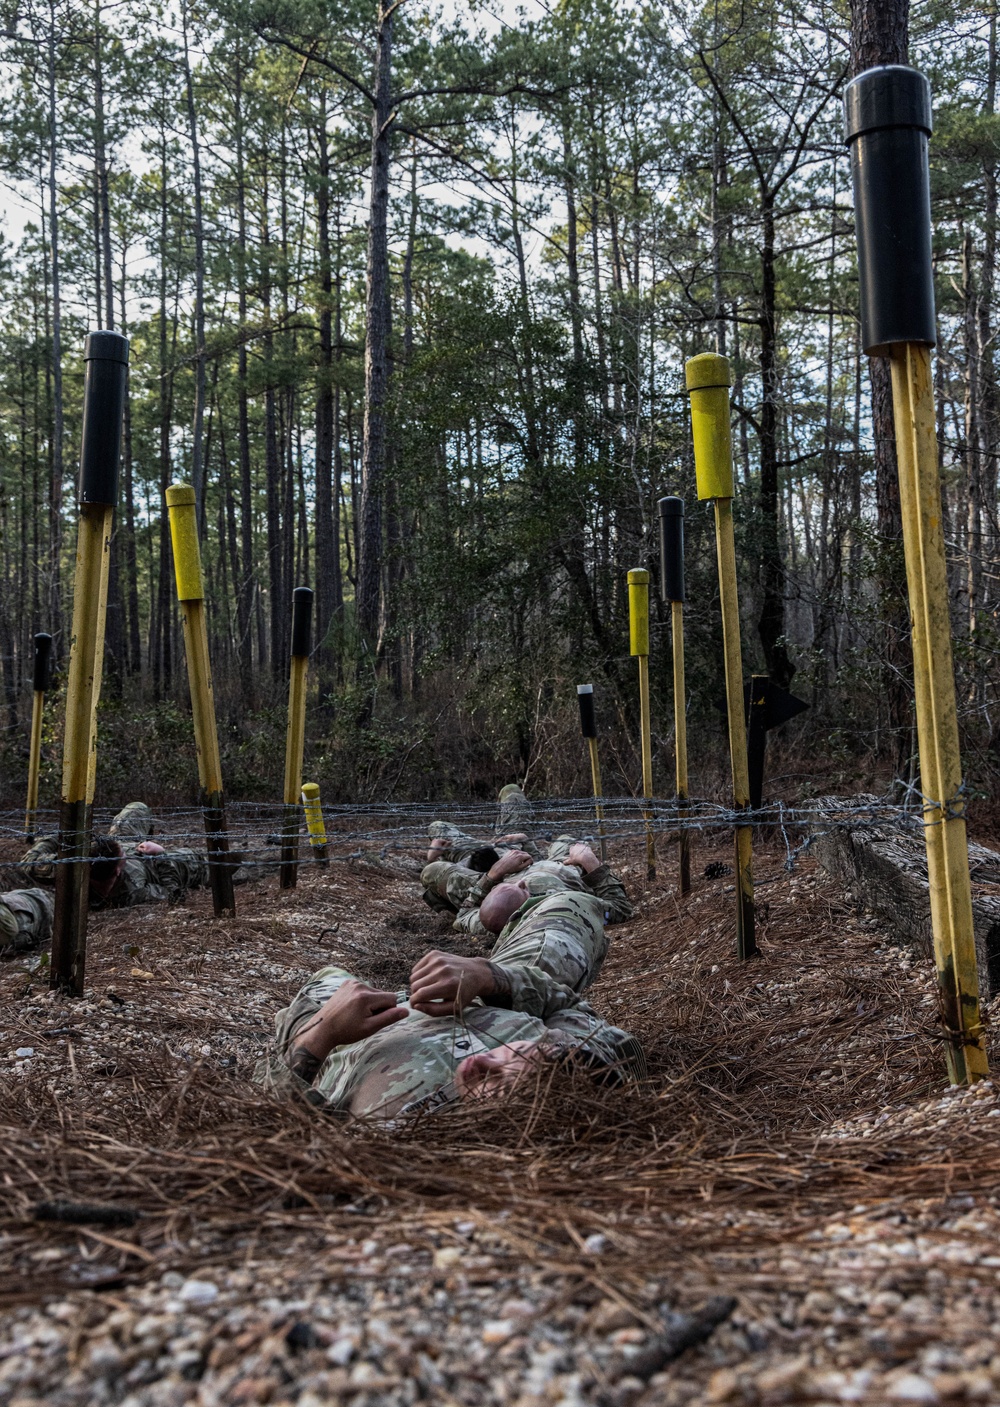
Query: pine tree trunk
[[377, 333], [197, 463]]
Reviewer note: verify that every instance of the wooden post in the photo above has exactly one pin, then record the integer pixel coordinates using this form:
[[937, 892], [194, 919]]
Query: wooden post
[[638, 616], [672, 590], [106, 358], [314, 822], [588, 727], [302, 599], [43, 653], [191, 595], [888, 123], [708, 381]]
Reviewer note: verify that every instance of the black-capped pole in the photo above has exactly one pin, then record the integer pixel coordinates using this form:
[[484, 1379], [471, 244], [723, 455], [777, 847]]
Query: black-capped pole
[[43, 657], [302, 604], [671, 548], [106, 358], [588, 727], [887, 123], [588, 718]]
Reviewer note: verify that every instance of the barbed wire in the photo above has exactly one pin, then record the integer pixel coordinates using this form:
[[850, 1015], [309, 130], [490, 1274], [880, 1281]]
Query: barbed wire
[[256, 828]]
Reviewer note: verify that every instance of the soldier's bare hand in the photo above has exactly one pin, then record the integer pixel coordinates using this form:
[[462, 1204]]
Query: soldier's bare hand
[[443, 983], [352, 1013], [583, 857], [511, 863]]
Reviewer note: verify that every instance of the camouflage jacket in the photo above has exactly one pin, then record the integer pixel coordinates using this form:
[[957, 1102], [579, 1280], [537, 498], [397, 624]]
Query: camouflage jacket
[[25, 920], [549, 877], [549, 953]]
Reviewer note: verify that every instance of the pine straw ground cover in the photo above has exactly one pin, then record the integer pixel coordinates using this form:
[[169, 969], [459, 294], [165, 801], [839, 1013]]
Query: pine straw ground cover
[[795, 1149]]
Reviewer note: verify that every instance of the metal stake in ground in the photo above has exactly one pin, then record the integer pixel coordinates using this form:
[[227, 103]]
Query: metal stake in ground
[[638, 622], [588, 727], [314, 821], [672, 590], [43, 653], [295, 737], [105, 355], [887, 126], [191, 595], [708, 381]]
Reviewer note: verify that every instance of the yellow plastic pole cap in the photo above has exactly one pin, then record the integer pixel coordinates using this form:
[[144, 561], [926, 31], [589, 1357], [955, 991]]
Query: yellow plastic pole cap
[[707, 370], [310, 790], [638, 576], [180, 496]]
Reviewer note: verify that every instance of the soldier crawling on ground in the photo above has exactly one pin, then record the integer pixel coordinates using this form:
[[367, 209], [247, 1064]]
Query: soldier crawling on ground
[[483, 903], [126, 868], [470, 1028]]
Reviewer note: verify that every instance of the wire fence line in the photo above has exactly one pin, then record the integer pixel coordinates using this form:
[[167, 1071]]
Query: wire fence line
[[255, 828]]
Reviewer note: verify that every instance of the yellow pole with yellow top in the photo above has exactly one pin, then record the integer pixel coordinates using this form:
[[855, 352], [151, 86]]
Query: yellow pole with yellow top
[[106, 358], [708, 381], [638, 620], [295, 736], [43, 654], [888, 122], [191, 595], [314, 821]]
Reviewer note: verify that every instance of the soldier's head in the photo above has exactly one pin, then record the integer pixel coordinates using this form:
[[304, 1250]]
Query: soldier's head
[[501, 904], [107, 860], [493, 1073]]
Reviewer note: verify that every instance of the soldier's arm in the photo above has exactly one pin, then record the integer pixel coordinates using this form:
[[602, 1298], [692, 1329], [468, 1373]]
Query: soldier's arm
[[523, 987], [468, 921], [611, 892]]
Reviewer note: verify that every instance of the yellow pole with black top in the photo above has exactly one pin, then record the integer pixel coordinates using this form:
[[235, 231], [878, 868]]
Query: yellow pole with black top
[[588, 727], [105, 356], [888, 122], [43, 654], [295, 735], [314, 821], [638, 620], [708, 381], [672, 589], [191, 595]]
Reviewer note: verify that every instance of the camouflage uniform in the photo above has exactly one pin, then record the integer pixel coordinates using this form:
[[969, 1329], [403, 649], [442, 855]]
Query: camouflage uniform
[[548, 954], [462, 890], [516, 812], [25, 920], [145, 879]]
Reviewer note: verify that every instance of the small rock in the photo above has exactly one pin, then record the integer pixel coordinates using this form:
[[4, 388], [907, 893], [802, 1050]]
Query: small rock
[[341, 1351], [596, 1243], [496, 1331], [198, 1293], [446, 1257], [25, 1052], [911, 1387]]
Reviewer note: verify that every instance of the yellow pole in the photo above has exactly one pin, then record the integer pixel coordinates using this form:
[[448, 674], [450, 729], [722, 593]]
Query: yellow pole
[[314, 821], [708, 381], [638, 614], [937, 719], [191, 594], [105, 357], [680, 739], [295, 735]]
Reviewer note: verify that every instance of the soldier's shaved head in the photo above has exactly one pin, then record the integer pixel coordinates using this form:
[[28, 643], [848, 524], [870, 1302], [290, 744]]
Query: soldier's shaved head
[[500, 905]]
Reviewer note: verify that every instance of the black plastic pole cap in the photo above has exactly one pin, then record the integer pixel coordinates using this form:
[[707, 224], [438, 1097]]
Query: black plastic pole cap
[[588, 718], [106, 357], [43, 654], [671, 548], [302, 604], [887, 123]]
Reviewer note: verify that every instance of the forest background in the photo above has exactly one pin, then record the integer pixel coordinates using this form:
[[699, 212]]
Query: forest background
[[409, 295]]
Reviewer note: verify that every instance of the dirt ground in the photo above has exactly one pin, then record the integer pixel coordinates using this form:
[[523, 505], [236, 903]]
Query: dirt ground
[[798, 1150]]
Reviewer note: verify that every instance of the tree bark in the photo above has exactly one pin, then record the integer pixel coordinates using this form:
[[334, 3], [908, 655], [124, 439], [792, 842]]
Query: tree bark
[[197, 463], [56, 488], [377, 333]]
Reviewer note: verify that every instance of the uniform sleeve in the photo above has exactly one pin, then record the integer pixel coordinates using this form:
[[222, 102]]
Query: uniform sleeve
[[610, 890], [468, 921], [524, 987]]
